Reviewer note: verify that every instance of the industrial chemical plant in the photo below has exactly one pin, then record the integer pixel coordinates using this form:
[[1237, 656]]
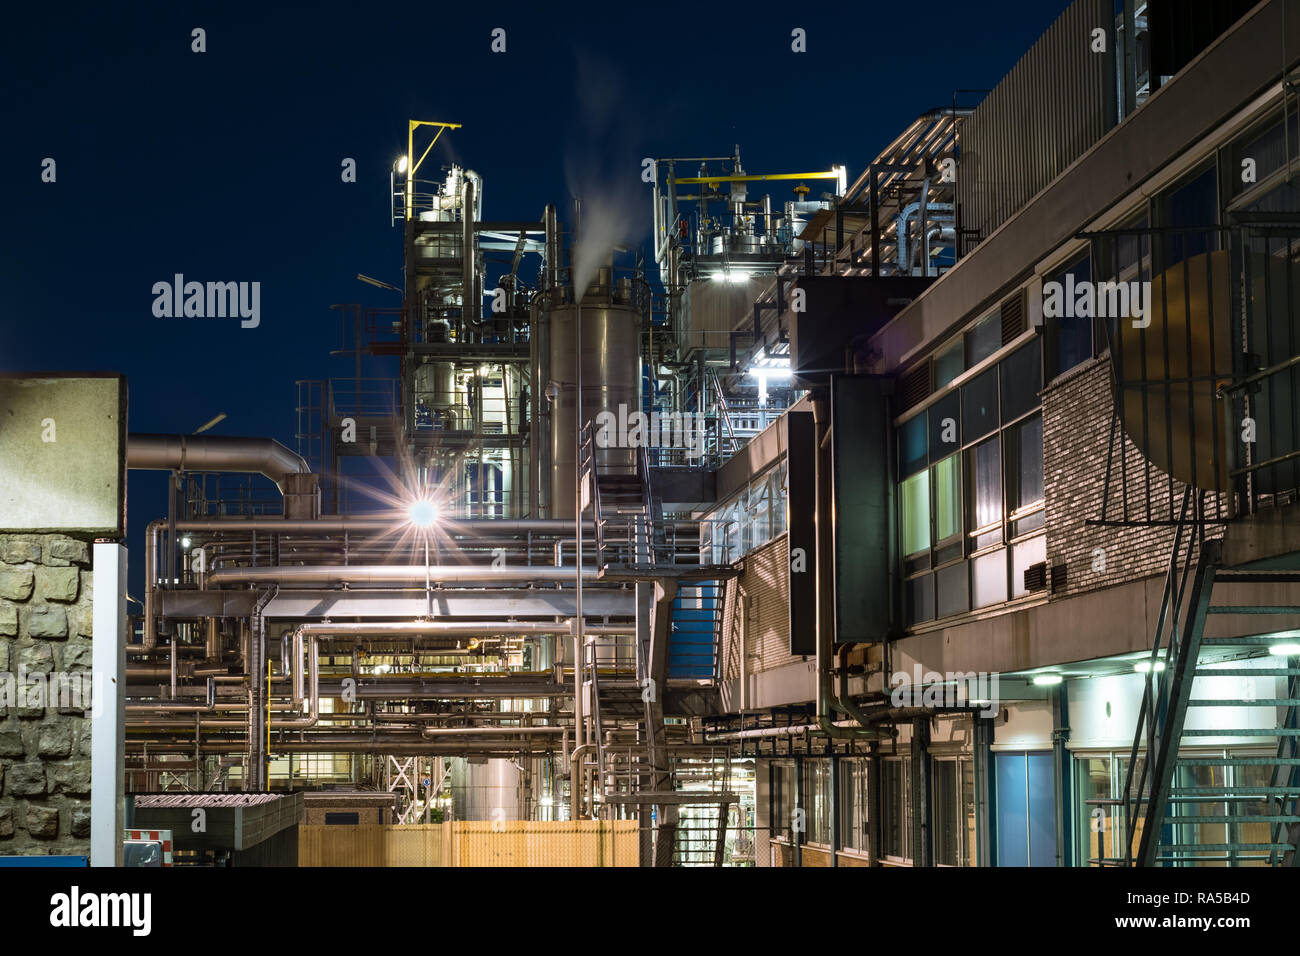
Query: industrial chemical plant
[[928, 508]]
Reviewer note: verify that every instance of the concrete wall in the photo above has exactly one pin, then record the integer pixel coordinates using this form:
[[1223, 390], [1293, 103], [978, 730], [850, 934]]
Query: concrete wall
[[45, 627]]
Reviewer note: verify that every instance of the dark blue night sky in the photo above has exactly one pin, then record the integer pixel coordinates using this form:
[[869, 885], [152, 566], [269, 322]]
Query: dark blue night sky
[[226, 165]]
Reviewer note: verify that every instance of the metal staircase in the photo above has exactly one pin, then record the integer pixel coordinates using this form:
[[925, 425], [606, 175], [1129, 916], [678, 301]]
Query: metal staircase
[[696, 629], [1189, 798], [634, 762]]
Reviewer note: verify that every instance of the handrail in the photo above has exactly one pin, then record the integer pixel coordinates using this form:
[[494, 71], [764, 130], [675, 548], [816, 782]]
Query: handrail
[[1153, 696]]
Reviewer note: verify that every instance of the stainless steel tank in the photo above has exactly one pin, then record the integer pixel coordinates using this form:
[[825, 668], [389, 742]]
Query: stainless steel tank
[[611, 377], [491, 790]]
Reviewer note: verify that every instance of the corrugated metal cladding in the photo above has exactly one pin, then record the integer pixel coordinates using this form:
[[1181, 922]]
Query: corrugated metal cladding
[[765, 588], [1047, 112]]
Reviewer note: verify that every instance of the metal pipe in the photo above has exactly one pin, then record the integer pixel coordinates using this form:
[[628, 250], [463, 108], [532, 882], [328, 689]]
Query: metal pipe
[[388, 574], [361, 744], [433, 733], [219, 453], [469, 310], [576, 778]]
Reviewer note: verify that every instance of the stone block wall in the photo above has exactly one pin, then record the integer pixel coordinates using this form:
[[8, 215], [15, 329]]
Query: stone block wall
[[45, 629]]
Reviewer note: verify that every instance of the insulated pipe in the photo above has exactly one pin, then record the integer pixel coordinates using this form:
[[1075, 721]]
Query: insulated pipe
[[943, 232], [576, 778], [441, 628], [366, 574], [264, 456], [433, 733], [337, 525], [470, 527], [469, 309], [799, 730], [903, 259], [505, 748]]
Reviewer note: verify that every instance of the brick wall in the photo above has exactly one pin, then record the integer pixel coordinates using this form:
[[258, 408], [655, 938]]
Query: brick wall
[[1076, 434], [45, 627], [766, 586]]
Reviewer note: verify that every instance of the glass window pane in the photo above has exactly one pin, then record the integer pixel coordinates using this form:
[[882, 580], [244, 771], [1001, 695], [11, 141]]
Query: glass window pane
[[986, 479], [916, 513], [945, 426], [979, 404], [1097, 835], [1268, 148], [1069, 334], [947, 498], [1022, 380], [952, 590], [1194, 203], [967, 812], [920, 599], [945, 813], [912, 445], [948, 364], [1027, 478], [984, 339], [989, 578]]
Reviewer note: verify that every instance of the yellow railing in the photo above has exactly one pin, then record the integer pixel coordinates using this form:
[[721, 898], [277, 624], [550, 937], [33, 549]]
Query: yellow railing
[[471, 843]]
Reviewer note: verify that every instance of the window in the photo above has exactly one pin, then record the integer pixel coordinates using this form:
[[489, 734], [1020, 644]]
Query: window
[[989, 578], [947, 499], [952, 590], [854, 831], [1188, 208], [747, 520], [782, 800], [912, 453], [1069, 336], [949, 363], [1022, 380], [971, 521], [979, 400], [1268, 150], [916, 514], [986, 496], [1124, 257], [817, 800], [896, 808], [954, 811], [1101, 825], [1025, 464], [920, 599], [984, 339], [945, 426]]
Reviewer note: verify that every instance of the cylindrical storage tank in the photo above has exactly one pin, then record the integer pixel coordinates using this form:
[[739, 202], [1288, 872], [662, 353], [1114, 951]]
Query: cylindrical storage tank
[[611, 377], [491, 790]]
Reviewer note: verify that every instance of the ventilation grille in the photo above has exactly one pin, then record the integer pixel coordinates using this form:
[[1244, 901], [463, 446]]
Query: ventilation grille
[[1060, 577], [1013, 317], [914, 387], [1036, 576]]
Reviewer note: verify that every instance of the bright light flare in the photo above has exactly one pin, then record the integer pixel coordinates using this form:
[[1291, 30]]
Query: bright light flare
[[402, 163], [423, 513]]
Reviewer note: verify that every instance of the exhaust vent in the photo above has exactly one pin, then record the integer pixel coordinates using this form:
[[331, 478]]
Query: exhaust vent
[[914, 387]]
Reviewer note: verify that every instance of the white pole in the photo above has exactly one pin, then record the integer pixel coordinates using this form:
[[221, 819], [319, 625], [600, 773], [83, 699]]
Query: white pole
[[108, 742]]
